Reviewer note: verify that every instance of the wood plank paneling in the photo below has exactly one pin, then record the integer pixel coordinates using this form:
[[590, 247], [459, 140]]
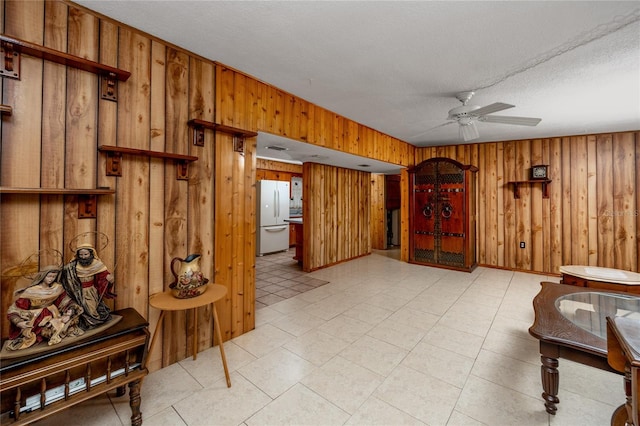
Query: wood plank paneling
[[21, 139], [536, 218], [554, 247], [624, 195], [336, 215], [250, 225], [278, 166], [637, 209], [590, 217], [158, 278], [378, 217], [81, 126], [107, 135], [53, 130], [175, 210], [509, 208], [592, 201], [578, 193], [201, 184]]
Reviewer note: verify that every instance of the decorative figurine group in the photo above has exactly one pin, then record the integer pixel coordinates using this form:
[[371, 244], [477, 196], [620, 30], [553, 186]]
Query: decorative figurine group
[[61, 301]]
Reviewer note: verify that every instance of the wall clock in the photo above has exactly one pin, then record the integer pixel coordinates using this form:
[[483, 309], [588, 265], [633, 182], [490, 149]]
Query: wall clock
[[539, 172]]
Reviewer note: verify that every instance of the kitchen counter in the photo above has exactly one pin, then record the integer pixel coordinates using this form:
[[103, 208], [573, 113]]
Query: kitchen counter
[[296, 222]]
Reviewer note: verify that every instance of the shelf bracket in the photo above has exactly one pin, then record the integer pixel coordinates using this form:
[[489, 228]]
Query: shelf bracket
[[6, 109], [198, 135], [87, 207], [109, 86], [516, 190], [238, 143], [114, 163], [239, 135], [516, 187], [182, 170], [10, 66]]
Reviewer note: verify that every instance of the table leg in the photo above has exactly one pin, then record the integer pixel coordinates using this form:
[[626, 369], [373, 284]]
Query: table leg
[[216, 326], [134, 403], [195, 333], [153, 339], [628, 390], [550, 383], [121, 390]]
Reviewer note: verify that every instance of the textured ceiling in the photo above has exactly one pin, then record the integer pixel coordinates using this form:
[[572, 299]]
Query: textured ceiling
[[396, 66]]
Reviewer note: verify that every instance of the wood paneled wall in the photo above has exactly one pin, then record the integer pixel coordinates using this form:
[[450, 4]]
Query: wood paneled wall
[[250, 104], [378, 212], [337, 216], [58, 122], [276, 170], [590, 218], [279, 166]]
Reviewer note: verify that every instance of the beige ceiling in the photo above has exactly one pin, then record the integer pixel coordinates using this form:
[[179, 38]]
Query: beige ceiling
[[396, 66]]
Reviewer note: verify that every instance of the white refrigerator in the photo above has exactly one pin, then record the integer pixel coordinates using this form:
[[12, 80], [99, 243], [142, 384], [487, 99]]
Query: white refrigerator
[[273, 209]]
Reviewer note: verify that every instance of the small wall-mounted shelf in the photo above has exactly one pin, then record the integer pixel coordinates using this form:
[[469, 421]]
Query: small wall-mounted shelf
[[516, 186], [114, 159], [87, 203], [239, 135], [6, 109], [11, 48]]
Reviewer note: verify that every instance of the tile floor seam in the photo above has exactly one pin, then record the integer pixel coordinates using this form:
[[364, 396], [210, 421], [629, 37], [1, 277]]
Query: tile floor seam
[[475, 358]]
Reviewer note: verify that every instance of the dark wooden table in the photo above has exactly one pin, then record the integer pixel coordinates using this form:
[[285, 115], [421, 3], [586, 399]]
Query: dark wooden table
[[623, 346], [38, 385], [570, 323]]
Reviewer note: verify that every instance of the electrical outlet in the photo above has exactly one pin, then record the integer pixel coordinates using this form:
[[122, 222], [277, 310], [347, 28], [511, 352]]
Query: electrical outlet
[[522, 245]]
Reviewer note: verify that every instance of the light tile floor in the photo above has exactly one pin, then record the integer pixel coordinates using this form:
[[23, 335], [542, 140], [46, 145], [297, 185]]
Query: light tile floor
[[383, 343]]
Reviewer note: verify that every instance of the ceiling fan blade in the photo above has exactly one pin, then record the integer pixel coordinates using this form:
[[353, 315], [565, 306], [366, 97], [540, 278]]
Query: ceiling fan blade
[[505, 119], [495, 107], [433, 128]]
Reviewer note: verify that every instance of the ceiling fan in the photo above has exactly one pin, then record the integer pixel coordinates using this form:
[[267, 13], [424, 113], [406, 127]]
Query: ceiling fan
[[466, 116]]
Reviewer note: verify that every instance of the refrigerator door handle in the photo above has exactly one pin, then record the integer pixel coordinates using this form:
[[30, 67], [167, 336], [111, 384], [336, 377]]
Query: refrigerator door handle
[[274, 229], [275, 208]]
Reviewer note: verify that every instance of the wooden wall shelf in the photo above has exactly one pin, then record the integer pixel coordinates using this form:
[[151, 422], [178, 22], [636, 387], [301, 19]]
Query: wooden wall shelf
[[239, 135], [114, 157], [516, 186], [13, 47], [87, 203], [57, 191]]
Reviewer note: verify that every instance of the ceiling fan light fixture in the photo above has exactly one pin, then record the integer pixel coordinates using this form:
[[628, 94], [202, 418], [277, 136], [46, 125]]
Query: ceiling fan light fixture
[[469, 131]]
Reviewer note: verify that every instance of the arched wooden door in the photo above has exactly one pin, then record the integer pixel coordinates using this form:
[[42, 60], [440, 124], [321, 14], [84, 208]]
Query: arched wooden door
[[442, 214]]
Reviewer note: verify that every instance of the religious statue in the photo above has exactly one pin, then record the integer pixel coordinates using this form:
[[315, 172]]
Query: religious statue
[[43, 311], [89, 282]]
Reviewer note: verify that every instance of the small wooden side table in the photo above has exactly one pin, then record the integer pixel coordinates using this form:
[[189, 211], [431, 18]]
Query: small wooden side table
[[166, 301], [601, 278], [623, 344]]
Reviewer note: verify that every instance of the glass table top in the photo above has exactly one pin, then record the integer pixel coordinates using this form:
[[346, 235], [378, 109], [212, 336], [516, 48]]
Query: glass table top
[[588, 310]]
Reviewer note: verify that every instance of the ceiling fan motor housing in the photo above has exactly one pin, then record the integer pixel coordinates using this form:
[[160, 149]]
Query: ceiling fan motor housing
[[462, 111]]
